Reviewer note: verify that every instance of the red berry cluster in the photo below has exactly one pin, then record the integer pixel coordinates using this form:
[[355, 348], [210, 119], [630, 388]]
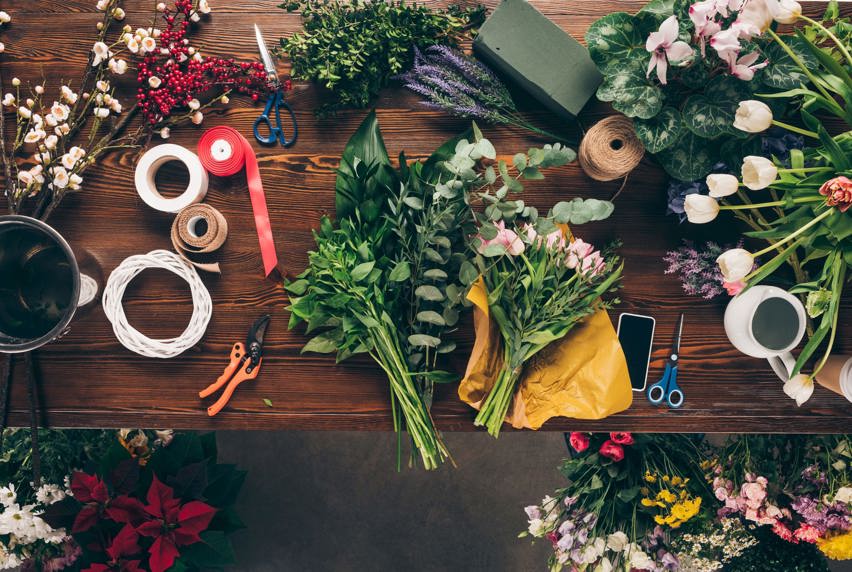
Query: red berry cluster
[[184, 77]]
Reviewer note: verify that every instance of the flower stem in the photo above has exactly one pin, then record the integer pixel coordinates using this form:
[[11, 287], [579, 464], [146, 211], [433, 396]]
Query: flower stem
[[805, 69], [770, 204], [795, 129], [794, 234]]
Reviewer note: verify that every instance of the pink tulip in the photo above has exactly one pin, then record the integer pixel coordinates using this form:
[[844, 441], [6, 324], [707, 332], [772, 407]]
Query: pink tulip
[[506, 238]]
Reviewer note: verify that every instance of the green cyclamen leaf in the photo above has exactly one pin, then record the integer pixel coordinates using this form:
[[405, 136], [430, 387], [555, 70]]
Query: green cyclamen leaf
[[631, 92], [429, 292], [612, 39], [784, 73], [400, 272], [363, 270], [690, 158], [420, 340], [661, 131]]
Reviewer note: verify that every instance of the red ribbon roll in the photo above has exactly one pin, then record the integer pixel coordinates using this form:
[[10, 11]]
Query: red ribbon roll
[[224, 152]]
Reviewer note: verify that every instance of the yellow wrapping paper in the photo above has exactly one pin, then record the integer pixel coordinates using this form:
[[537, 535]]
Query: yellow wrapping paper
[[583, 375]]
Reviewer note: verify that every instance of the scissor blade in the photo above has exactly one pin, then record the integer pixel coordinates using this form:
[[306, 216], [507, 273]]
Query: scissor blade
[[679, 332], [268, 65], [258, 330]]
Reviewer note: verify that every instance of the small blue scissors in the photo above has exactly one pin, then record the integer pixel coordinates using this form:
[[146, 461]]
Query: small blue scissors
[[274, 102], [667, 389]]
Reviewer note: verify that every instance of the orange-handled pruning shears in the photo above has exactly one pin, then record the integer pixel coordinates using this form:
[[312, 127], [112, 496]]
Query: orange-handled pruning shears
[[245, 364]]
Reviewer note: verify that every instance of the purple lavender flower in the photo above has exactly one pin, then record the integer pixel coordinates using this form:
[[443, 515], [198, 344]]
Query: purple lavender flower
[[462, 86], [678, 190], [697, 268]]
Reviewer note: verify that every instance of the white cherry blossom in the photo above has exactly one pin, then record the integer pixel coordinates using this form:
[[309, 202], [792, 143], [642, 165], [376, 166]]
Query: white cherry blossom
[[102, 53]]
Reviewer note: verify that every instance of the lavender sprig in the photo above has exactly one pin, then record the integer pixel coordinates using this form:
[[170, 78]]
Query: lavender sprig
[[462, 86]]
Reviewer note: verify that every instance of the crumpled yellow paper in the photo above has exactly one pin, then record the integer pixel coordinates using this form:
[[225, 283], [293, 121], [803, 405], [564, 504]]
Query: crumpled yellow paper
[[583, 375]]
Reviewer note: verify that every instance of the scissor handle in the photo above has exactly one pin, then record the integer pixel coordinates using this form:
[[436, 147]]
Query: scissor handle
[[263, 119], [675, 396], [657, 392], [237, 353], [284, 141], [276, 132]]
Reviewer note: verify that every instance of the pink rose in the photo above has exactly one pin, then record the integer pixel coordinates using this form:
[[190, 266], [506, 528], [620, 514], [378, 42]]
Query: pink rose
[[506, 238], [579, 441], [721, 493], [754, 492]]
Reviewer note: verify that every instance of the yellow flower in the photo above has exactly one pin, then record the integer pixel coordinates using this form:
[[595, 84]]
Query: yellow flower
[[837, 547], [659, 520], [647, 502], [676, 481], [685, 510], [665, 478], [666, 495], [650, 478]]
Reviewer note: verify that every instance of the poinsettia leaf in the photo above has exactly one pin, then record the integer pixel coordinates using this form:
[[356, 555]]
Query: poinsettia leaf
[[86, 519], [214, 551], [125, 476], [88, 488], [126, 509], [162, 554], [195, 516], [784, 73], [227, 520], [661, 131], [125, 543], [690, 158], [630, 91], [190, 481], [225, 482]]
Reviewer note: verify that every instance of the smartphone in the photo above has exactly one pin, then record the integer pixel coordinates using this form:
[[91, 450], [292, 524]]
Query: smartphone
[[636, 334]]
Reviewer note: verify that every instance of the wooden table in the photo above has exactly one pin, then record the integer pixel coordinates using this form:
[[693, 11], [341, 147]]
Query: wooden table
[[90, 380]]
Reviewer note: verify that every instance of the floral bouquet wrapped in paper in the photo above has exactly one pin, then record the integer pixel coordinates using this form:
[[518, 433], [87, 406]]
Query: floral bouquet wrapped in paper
[[538, 288], [626, 495]]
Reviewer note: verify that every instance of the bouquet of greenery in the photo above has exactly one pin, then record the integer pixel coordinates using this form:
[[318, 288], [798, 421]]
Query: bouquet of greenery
[[626, 495], [353, 49], [804, 211], [539, 287]]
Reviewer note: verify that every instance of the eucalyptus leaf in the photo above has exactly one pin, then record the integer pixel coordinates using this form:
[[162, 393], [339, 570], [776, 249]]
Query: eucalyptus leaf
[[430, 317], [421, 340], [429, 292]]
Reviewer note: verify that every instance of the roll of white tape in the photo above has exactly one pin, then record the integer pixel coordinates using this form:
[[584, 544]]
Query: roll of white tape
[[155, 158]]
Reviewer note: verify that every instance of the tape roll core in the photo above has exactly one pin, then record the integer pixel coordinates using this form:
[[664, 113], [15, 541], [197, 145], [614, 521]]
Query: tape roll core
[[153, 160]]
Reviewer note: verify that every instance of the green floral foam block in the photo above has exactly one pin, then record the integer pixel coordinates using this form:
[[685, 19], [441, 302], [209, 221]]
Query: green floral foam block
[[522, 44]]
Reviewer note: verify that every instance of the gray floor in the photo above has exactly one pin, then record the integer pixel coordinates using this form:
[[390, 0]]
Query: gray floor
[[317, 502]]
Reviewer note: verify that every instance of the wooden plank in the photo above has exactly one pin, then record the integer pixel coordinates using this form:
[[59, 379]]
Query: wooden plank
[[90, 380]]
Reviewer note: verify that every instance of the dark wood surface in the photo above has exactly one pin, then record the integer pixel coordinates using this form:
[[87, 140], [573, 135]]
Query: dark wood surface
[[90, 380]]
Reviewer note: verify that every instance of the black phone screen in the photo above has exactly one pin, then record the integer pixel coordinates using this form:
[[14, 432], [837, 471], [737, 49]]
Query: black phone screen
[[636, 334]]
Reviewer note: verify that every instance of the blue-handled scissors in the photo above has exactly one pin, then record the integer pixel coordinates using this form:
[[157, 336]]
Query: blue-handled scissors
[[273, 104], [666, 390]]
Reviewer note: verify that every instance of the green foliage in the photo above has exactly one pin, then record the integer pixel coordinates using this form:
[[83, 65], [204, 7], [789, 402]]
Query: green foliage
[[354, 48]]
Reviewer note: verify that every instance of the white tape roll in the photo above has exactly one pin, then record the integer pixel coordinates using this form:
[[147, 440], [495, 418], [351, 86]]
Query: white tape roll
[[155, 158]]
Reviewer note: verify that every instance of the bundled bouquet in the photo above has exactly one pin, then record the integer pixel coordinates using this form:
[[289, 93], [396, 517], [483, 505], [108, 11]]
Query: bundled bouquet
[[539, 287], [799, 486], [626, 495], [674, 502], [680, 69], [804, 213], [60, 137]]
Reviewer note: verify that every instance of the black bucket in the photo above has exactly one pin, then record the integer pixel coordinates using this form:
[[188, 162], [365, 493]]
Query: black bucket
[[39, 284]]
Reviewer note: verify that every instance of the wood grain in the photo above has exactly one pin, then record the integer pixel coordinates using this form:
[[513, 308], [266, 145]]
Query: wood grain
[[91, 381]]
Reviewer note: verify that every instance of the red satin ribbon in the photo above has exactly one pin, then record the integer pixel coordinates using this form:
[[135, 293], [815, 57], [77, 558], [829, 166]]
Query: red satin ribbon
[[224, 152]]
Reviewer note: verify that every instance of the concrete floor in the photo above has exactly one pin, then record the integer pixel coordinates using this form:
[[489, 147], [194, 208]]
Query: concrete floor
[[328, 501]]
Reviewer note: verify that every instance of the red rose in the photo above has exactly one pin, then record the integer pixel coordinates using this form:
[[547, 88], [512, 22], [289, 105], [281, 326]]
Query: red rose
[[612, 450], [579, 441], [621, 438], [839, 193]]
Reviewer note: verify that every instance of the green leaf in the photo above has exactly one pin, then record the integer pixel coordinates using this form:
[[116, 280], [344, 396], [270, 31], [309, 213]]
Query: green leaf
[[784, 73], [431, 317], [485, 148], [630, 91], [297, 287], [435, 274], [214, 551], [690, 158], [468, 273], [267, 402], [321, 344], [422, 340], [712, 115], [439, 376], [401, 272], [413, 202], [429, 292], [363, 270], [367, 146], [661, 131], [614, 38], [662, 9]]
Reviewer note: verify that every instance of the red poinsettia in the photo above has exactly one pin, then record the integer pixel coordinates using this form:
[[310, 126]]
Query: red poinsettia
[[93, 493], [124, 545], [172, 524]]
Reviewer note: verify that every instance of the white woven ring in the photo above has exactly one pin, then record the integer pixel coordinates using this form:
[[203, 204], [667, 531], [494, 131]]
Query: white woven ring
[[133, 339]]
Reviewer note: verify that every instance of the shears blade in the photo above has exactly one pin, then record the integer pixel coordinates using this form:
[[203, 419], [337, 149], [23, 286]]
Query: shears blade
[[257, 331], [676, 345], [265, 57]]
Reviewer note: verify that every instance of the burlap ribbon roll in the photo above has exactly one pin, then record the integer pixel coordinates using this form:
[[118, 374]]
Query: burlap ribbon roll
[[187, 240], [610, 149]]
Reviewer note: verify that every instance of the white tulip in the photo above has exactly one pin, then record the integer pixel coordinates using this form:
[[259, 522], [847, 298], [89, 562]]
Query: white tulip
[[753, 19], [799, 387], [722, 185], [785, 11], [753, 116], [758, 172], [700, 208], [735, 264]]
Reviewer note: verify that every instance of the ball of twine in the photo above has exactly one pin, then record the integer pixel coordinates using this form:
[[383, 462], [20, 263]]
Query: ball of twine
[[610, 149]]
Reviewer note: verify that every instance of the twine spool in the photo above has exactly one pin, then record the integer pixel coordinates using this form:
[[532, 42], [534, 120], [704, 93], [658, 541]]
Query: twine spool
[[610, 149], [188, 239]]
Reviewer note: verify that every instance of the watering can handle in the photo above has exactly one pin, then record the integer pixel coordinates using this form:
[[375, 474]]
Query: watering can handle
[[782, 365]]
